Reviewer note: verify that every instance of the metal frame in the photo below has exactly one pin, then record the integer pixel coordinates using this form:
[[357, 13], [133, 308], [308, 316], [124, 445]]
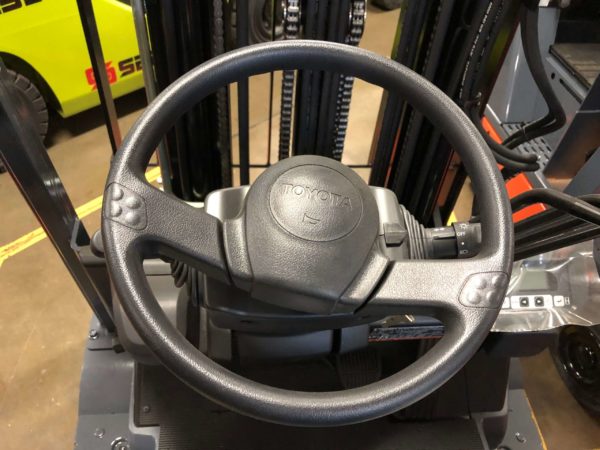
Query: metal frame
[[92, 39], [579, 139], [107, 399], [26, 159], [243, 98], [139, 19]]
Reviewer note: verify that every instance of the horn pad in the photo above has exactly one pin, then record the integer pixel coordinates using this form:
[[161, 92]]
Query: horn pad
[[308, 225], [315, 203]]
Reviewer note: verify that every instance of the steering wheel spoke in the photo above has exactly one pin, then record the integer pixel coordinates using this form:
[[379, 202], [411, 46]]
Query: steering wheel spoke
[[155, 223], [439, 287]]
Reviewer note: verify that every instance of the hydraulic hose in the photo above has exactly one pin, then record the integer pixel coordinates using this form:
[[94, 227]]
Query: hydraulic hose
[[555, 118], [508, 158], [512, 161], [564, 202], [582, 208]]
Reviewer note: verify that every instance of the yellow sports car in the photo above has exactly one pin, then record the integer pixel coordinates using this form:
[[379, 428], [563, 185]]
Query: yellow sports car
[[42, 44]]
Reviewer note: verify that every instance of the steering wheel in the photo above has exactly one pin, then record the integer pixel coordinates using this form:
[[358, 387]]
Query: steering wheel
[[306, 239]]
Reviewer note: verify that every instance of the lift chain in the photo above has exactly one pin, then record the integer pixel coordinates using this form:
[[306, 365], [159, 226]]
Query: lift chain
[[291, 30], [357, 18], [222, 97]]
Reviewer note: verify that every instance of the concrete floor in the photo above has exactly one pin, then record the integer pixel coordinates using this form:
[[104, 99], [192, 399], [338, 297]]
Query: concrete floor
[[44, 318]]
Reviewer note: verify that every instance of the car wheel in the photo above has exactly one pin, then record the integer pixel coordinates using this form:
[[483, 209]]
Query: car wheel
[[260, 21], [388, 5], [259, 28], [576, 354], [35, 102]]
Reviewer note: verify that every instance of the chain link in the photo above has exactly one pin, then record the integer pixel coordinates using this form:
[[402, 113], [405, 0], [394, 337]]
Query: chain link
[[291, 29], [357, 27]]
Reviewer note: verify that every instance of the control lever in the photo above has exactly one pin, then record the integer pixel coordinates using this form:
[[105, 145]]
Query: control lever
[[460, 240], [400, 229]]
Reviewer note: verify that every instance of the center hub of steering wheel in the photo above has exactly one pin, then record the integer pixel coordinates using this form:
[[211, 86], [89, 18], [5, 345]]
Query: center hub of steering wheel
[[315, 203], [304, 218]]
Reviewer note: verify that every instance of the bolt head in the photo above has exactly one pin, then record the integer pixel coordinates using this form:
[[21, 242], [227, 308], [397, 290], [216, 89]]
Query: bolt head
[[120, 443]]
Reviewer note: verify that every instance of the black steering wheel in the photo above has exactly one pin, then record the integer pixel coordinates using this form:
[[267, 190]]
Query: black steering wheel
[[307, 238]]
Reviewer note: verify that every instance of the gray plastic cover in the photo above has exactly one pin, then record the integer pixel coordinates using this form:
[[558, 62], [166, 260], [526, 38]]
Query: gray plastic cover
[[548, 291]]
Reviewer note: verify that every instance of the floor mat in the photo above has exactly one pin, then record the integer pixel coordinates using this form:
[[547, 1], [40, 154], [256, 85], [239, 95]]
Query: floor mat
[[189, 421]]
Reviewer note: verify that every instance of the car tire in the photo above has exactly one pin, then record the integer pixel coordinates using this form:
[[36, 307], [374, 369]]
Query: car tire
[[388, 5], [35, 101], [576, 355], [259, 28], [259, 23]]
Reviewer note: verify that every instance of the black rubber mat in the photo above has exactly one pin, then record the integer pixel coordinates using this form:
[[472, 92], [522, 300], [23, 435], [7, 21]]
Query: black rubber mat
[[358, 368], [188, 421], [582, 60]]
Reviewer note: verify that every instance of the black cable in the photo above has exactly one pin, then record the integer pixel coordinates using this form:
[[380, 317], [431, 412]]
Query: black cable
[[510, 158], [582, 208], [538, 220], [512, 161], [550, 224], [582, 233], [515, 162], [574, 206], [487, 32], [555, 118]]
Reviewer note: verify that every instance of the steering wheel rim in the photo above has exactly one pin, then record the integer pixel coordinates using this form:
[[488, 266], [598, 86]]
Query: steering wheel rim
[[130, 234]]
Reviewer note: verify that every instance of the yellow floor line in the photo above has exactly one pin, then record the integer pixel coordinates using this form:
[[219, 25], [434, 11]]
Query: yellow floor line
[[537, 425], [37, 235]]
